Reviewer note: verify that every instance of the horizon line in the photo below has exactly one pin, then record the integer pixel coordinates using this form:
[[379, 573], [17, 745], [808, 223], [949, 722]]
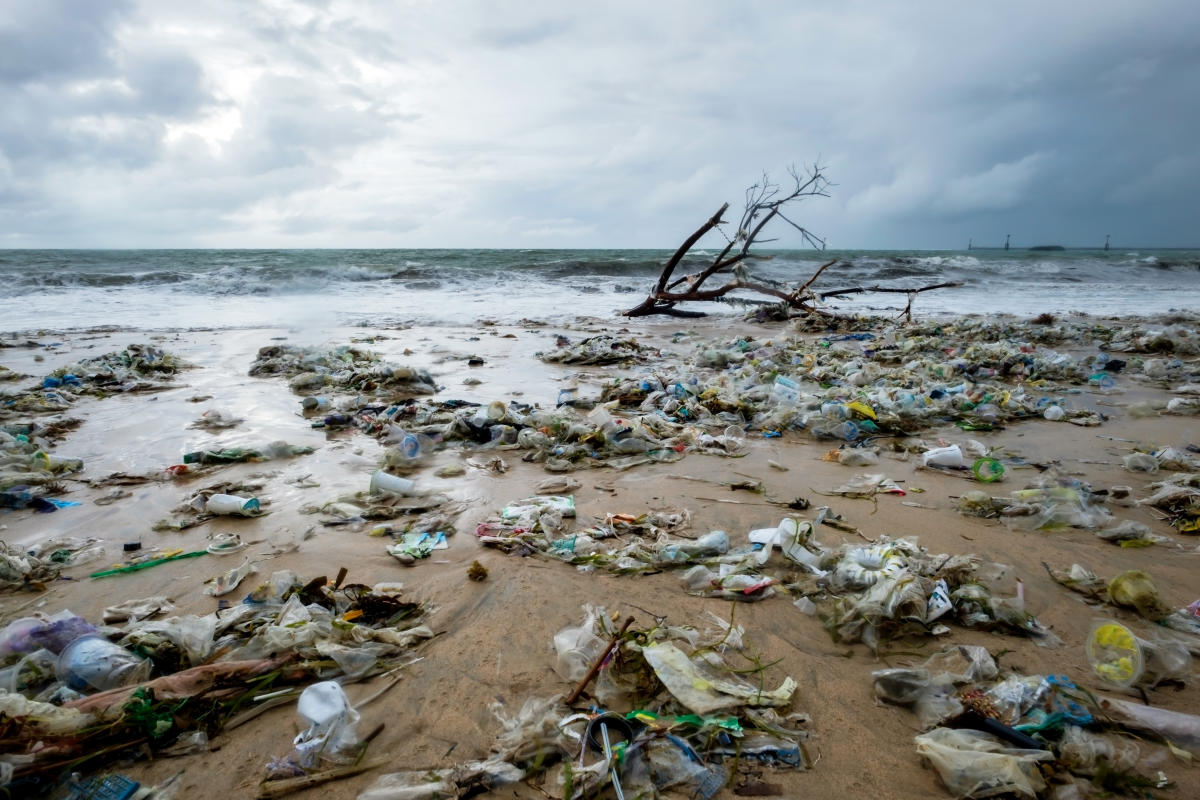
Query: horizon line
[[1001, 248]]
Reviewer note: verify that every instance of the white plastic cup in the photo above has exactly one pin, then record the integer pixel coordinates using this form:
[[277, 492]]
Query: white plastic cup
[[393, 484], [231, 504], [943, 457], [1054, 413]]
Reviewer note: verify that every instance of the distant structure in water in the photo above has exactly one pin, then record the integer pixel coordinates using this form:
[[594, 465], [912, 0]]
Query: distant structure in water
[[1106, 237], [970, 243], [1006, 236], [1041, 247]]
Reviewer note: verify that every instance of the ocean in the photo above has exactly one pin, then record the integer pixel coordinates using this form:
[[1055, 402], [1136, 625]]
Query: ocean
[[170, 289]]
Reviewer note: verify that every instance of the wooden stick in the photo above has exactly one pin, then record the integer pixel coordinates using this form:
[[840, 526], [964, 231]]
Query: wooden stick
[[599, 662], [278, 788]]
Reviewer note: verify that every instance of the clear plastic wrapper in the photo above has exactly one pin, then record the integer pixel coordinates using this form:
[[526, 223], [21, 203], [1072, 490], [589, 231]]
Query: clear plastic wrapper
[[975, 764]]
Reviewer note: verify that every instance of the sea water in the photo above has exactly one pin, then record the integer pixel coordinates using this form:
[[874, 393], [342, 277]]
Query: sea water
[[67, 289]]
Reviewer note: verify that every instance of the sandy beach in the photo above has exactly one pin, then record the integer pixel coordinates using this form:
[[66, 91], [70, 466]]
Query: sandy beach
[[493, 637]]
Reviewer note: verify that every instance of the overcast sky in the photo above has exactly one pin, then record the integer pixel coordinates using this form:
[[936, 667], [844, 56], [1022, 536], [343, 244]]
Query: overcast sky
[[322, 123]]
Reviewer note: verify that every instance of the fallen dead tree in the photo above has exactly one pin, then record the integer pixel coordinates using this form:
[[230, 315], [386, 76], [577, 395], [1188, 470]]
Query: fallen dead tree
[[765, 202]]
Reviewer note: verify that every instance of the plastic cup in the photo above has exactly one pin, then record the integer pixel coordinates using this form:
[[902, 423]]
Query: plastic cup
[[383, 482], [231, 504], [943, 457], [496, 410], [410, 446]]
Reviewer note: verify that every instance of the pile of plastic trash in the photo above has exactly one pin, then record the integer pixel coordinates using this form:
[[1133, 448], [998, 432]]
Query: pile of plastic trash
[[77, 688], [1179, 498], [988, 734], [973, 373], [602, 349], [137, 368], [870, 593], [28, 469], [1056, 501], [703, 724], [562, 439], [20, 570], [347, 369]]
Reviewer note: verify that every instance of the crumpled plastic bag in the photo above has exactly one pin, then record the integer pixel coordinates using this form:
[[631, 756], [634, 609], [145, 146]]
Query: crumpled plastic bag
[[975, 764], [1086, 753], [930, 688], [866, 486], [139, 609], [794, 537], [531, 731], [1135, 589], [577, 647], [332, 722], [702, 689], [46, 718]]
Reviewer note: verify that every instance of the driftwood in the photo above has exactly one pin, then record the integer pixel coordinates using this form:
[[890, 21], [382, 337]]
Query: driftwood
[[765, 202], [268, 790]]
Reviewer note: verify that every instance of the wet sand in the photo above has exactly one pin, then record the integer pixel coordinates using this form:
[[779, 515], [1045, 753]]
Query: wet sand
[[494, 639]]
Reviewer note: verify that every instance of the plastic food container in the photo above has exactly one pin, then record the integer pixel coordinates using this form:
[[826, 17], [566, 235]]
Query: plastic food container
[[1126, 660]]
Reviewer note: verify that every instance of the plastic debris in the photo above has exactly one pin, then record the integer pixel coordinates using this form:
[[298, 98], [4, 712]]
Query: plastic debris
[[330, 735], [697, 687], [975, 764]]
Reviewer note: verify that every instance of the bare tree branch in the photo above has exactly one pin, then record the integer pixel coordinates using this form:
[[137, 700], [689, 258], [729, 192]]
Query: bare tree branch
[[764, 202]]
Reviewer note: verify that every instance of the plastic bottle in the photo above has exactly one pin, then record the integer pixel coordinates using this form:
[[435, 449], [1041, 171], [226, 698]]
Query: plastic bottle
[[392, 484], [314, 403], [786, 390]]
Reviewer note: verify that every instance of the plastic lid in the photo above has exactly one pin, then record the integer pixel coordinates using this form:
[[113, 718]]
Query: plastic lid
[[1115, 653]]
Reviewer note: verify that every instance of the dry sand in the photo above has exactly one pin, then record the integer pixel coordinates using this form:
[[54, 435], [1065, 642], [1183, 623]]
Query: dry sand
[[495, 635]]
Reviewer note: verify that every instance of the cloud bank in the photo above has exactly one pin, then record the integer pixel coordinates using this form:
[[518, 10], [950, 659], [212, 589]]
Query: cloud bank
[[303, 123]]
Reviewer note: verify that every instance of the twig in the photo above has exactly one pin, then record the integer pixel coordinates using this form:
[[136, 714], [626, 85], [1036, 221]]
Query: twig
[[278, 788]]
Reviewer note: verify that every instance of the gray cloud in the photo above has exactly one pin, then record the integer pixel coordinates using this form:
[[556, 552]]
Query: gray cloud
[[361, 124]]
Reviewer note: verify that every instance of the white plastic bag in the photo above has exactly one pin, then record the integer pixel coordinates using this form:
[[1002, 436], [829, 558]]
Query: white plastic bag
[[332, 721], [975, 764]]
